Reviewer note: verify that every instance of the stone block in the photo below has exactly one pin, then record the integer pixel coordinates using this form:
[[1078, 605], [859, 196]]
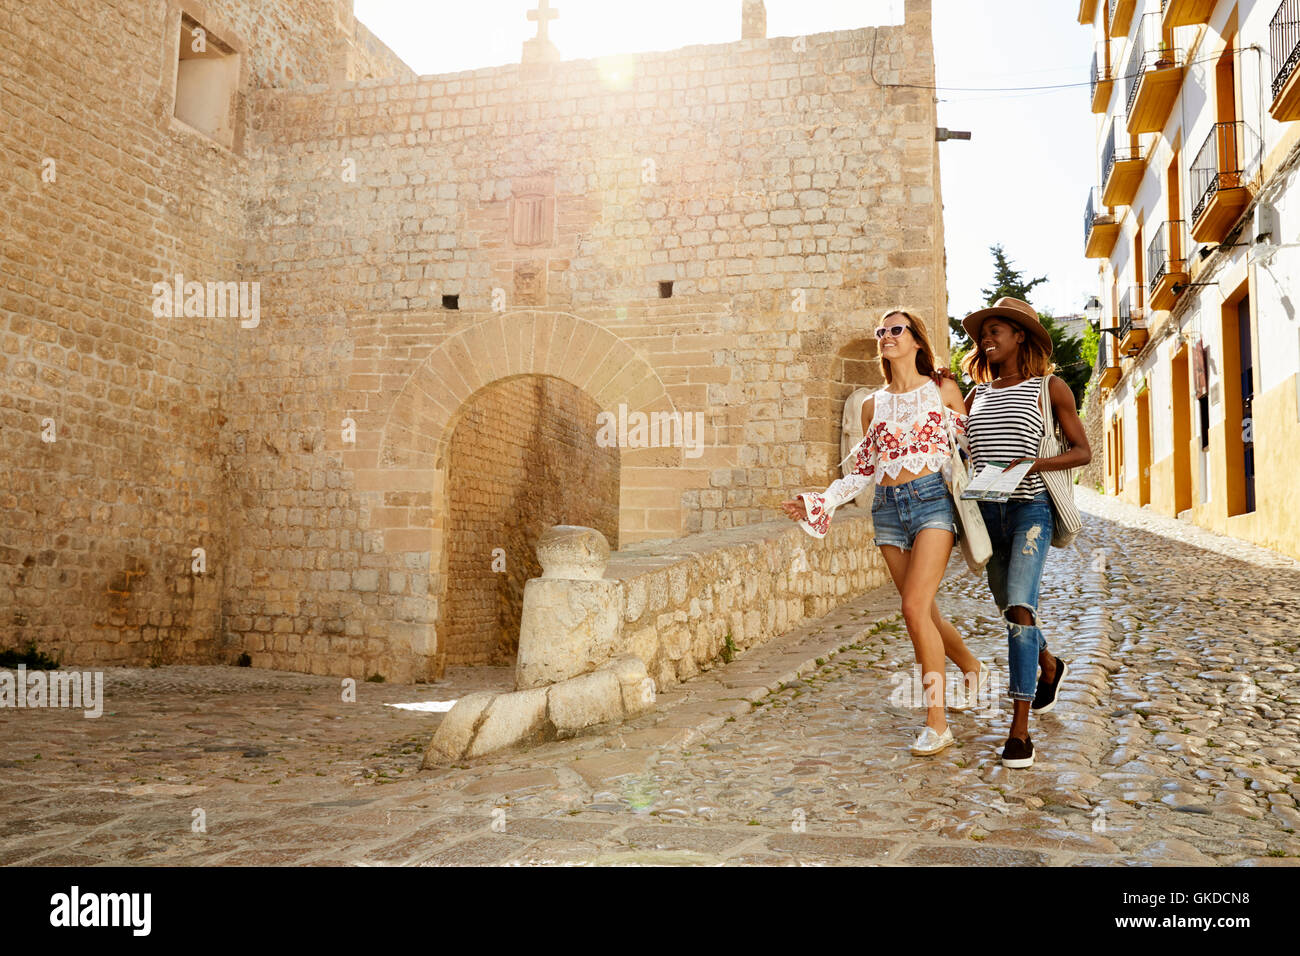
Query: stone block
[[456, 732], [567, 628], [510, 719], [636, 686], [573, 552], [585, 701]]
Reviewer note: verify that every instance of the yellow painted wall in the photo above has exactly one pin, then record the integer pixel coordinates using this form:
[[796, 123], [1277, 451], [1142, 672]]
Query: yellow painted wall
[[1275, 523]]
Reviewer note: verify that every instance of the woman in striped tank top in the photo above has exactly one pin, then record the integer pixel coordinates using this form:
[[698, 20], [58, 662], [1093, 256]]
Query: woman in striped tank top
[[1013, 351]]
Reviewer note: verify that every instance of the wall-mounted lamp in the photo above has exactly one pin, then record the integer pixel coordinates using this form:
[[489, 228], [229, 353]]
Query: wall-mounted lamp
[[1092, 311]]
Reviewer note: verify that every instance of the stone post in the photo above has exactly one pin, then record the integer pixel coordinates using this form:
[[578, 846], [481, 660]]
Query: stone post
[[753, 20], [572, 619]]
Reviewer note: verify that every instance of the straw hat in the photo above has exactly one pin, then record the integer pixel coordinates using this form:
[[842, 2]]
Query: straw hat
[[1015, 311]]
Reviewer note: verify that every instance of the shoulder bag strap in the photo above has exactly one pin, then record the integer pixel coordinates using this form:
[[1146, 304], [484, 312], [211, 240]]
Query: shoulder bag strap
[[1051, 427]]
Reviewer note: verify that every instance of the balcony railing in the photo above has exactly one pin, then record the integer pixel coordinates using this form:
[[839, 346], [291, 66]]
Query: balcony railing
[[1284, 43], [1133, 71], [1112, 152], [1167, 253], [1105, 353], [1107, 370], [1103, 79], [1100, 229], [1149, 52], [1225, 160], [1130, 312]]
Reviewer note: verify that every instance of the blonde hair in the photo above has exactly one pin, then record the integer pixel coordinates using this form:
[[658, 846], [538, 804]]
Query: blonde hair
[[925, 352], [1032, 357]]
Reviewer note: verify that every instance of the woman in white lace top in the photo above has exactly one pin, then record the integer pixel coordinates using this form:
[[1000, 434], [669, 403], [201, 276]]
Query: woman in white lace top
[[904, 452]]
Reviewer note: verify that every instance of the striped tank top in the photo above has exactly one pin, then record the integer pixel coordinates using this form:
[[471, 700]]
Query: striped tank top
[[1005, 424]]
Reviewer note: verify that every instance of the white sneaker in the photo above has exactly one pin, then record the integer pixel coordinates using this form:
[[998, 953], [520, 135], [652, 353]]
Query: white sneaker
[[931, 741], [965, 699]]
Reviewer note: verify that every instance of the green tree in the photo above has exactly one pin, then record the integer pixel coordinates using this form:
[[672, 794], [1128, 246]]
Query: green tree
[[1068, 351], [1091, 345], [958, 345], [1006, 280], [1091, 342]]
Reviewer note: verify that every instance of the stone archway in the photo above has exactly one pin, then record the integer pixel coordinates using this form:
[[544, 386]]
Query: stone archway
[[413, 453], [523, 457]]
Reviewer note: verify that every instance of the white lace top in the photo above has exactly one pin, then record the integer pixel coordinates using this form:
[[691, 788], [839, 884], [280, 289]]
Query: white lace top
[[907, 432]]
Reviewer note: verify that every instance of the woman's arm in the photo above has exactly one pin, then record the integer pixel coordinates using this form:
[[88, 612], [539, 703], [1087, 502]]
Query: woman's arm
[[952, 397], [841, 490], [1080, 452], [868, 413], [953, 401]]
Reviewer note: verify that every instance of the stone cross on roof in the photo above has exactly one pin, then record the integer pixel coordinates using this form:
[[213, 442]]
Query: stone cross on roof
[[540, 49], [543, 15]]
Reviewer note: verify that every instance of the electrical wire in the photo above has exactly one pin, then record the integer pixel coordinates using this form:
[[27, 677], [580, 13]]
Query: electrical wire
[[871, 69]]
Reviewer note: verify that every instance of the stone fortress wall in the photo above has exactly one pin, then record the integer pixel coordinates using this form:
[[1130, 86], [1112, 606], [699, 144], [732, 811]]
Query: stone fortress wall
[[426, 247]]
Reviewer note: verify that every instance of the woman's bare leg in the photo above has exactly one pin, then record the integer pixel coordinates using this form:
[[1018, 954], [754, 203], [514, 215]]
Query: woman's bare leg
[[954, 648], [925, 568]]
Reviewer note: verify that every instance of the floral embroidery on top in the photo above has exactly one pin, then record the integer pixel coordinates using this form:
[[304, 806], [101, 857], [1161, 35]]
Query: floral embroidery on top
[[907, 432]]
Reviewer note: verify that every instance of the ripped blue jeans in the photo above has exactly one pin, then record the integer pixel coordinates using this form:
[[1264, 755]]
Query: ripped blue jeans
[[1021, 533]]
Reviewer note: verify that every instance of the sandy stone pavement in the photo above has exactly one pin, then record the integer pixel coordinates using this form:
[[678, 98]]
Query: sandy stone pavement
[[1176, 741]]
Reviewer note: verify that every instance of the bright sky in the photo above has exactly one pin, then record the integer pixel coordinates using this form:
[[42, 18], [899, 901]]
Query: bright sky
[[1022, 180]]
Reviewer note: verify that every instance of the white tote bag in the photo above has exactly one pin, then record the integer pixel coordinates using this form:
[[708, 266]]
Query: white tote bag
[[1066, 520], [972, 535]]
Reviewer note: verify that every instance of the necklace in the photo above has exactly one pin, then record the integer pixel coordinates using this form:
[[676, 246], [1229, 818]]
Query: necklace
[[1005, 383]]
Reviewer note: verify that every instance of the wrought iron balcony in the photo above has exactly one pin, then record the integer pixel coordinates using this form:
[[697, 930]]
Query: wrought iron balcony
[[1122, 166], [1152, 77], [1218, 179], [1100, 229], [1167, 264], [1102, 81], [1107, 368], [1284, 48], [1132, 322]]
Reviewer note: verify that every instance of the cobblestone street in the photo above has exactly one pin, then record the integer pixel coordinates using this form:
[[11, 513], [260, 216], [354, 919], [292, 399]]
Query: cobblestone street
[[1176, 741]]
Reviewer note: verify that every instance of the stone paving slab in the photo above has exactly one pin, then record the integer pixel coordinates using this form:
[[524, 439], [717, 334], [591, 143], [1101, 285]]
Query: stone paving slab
[[1176, 742]]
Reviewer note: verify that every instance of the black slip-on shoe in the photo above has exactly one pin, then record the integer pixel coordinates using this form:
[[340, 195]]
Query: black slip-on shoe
[[1045, 694], [1018, 754]]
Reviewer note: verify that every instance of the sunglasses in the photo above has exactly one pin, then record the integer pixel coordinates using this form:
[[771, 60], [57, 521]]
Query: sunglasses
[[894, 330]]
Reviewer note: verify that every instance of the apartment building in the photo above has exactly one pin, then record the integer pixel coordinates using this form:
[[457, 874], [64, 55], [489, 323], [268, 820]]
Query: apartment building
[[1195, 227]]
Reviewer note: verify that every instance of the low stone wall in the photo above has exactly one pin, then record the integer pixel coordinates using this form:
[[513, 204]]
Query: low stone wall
[[683, 599], [608, 631]]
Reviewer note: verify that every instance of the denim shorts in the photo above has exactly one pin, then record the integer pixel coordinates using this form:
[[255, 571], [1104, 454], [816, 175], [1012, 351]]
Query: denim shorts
[[900, 512]]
